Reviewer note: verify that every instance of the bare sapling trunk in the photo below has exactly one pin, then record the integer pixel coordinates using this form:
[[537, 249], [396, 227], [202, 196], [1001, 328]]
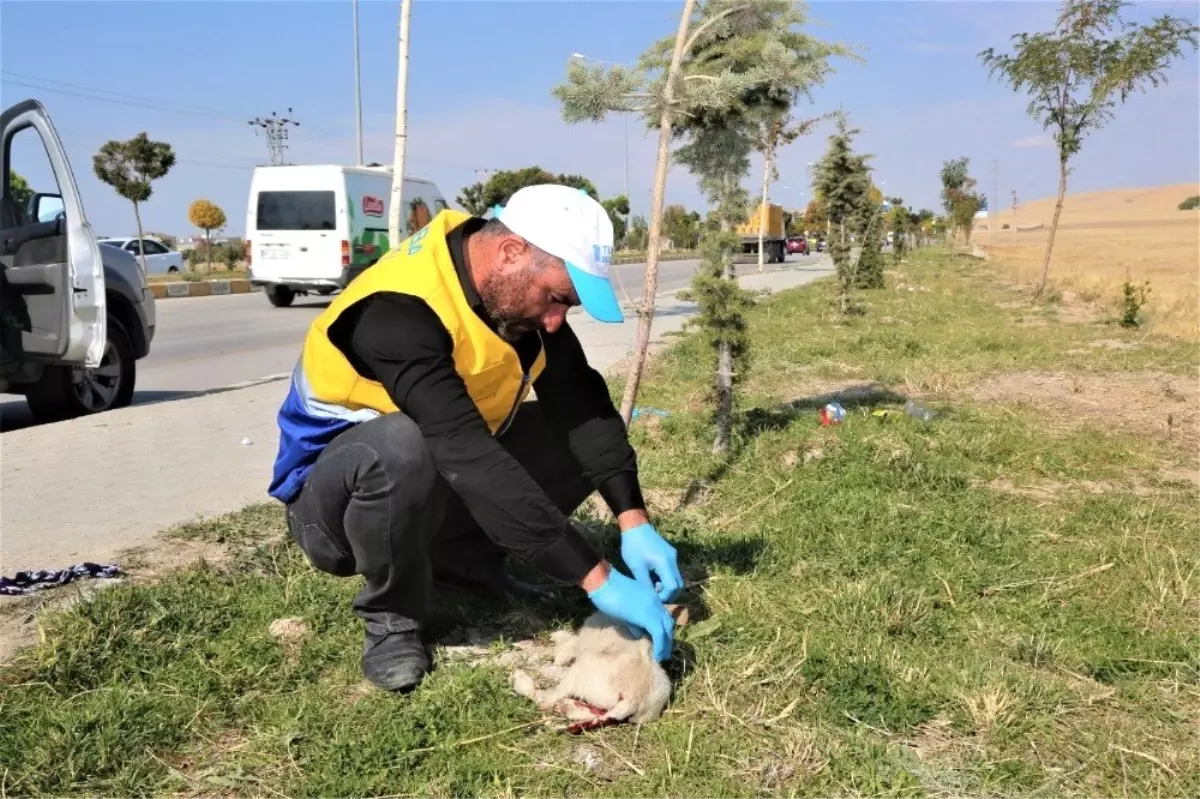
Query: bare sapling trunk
[[1058, 206], [762, 208], [396, 211], [137, 214], [645, 310]]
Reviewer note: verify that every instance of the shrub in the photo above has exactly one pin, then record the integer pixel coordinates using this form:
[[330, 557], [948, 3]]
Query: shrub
[[1131, 304], [1191, 203]]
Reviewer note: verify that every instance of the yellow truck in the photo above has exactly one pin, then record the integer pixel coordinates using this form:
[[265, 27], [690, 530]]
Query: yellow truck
[[774, 239]]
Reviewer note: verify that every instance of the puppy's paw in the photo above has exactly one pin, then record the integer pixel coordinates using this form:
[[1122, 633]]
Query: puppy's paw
[[523, 684]]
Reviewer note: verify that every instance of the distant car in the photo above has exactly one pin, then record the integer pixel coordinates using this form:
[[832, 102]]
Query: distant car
[[160, 259], [797, 244]]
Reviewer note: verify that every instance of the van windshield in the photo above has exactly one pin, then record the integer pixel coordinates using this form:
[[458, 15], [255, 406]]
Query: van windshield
[[296, 210]]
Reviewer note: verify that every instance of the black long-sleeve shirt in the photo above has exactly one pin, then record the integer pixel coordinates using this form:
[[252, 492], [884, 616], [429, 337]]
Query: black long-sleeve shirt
[[398, 340]]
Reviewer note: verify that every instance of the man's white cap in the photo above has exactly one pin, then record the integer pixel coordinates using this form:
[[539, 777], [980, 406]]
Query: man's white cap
[[569, 224]]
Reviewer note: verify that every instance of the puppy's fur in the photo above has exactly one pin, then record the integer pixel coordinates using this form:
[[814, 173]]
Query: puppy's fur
[[608, 669]]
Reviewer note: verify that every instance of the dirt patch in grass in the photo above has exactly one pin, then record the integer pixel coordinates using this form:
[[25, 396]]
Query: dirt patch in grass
[[19, 616], [1150, 403]]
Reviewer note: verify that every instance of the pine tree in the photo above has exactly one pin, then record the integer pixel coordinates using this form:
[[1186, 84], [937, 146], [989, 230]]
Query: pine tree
[[842, 181]]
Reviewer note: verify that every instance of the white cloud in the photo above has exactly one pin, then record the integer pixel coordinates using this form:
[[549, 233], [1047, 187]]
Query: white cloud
[[1033, 142]]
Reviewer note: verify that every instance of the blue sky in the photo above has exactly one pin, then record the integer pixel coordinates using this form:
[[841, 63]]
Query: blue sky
[[479, 95]]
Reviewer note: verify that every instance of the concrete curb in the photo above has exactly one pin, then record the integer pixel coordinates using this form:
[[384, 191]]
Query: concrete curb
[[201, 288]]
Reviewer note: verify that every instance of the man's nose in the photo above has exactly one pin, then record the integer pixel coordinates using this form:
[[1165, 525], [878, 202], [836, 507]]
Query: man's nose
[[553, 319]]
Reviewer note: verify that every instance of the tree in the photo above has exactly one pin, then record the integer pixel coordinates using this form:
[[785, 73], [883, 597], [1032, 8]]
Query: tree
[[639, 233], [898, 223], [959, 198], [681, 227], [591, 93], [842, 181], [618, 209], [776, 131], [816, 217], [477, 199], [208, 217], [231, 254], [131, 167], [730, 62], [20, 190], [1077, 74]]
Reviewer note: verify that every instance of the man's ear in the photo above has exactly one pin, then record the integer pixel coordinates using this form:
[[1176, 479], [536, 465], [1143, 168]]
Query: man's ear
[[511, 252]]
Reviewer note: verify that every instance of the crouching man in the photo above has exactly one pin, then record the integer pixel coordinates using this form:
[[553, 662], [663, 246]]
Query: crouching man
[[409, 455]]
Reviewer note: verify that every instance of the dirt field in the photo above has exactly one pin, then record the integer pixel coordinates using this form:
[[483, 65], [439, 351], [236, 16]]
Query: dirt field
[[1105, 238]]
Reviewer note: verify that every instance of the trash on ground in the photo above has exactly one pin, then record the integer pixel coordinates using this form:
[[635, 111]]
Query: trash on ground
[[27, 582], [832, 414], [919, 411], [652, 411]]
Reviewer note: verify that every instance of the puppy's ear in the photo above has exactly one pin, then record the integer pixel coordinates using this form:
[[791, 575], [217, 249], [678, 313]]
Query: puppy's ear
[[679, 613]]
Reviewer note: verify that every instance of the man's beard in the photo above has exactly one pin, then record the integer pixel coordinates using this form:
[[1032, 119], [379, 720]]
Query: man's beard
[[501, 295]]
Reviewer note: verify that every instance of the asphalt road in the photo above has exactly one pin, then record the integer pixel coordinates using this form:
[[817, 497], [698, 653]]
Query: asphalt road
[[208, 343]]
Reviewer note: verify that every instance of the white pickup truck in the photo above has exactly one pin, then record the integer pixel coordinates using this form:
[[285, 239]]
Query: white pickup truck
[[75, 315]]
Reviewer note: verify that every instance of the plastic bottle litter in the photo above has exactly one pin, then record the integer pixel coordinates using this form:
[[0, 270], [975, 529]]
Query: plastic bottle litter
[[246, 442], [832, 414], [918, 411]]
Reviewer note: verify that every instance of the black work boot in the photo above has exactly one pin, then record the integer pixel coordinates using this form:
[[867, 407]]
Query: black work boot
[[394, 661]]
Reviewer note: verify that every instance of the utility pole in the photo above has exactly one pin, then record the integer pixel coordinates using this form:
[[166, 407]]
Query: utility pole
[[396, 211], [276, 132], [357, 92], [994, 199], [1014, 209]]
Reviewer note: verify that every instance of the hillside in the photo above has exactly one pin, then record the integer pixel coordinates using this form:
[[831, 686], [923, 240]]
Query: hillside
[[1106, 237]]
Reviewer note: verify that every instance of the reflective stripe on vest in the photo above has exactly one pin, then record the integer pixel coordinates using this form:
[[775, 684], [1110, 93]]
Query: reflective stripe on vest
[[327, 395]]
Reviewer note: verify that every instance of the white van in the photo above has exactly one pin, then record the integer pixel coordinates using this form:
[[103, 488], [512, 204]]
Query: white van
[[314, 228]]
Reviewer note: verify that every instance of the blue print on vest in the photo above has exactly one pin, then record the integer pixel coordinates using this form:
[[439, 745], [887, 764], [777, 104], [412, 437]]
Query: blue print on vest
[[414, 243]]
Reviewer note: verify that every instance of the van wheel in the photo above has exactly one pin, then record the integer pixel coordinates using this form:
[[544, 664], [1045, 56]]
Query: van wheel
[[66, 392], [280, 296], [171, 270]]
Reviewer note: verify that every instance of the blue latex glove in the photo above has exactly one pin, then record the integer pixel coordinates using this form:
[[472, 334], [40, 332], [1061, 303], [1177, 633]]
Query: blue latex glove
[[645, 551], [637, 606]]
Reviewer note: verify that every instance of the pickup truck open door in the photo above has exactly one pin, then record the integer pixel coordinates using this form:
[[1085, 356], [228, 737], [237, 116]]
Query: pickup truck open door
[[52, 285]]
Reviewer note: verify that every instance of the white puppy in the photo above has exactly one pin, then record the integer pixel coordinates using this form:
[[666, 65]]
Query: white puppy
[[611, 676]]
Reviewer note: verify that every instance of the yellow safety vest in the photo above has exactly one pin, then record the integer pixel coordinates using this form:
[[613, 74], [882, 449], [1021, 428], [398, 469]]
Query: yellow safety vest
[[421, 267]]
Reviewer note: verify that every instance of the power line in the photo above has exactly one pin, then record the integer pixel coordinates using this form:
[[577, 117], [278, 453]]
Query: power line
[[189, 108], [135, 101]]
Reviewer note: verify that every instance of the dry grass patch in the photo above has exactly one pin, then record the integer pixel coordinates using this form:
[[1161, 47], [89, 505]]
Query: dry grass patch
[[1105, 238], [1150, 403]]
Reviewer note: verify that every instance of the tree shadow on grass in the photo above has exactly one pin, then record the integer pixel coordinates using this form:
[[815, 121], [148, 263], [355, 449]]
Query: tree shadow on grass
[[751, 423]]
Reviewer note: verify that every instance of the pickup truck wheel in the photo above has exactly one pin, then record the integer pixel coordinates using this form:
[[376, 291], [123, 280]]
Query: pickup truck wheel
[[280, 296], [66, 392]]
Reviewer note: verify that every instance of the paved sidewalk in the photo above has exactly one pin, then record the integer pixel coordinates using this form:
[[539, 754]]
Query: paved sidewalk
[[88, 489]]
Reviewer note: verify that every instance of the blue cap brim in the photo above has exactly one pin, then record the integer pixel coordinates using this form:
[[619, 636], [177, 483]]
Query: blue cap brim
[[596, 295]]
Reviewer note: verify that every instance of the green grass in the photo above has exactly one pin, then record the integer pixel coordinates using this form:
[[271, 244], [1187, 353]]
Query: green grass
[[870, 614]]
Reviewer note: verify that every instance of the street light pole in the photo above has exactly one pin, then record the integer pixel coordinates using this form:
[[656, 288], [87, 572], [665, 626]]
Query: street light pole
[[357, 92], [396, 211]]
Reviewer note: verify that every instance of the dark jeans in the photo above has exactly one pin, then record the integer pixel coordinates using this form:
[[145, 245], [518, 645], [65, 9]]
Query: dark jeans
[[375, 504]]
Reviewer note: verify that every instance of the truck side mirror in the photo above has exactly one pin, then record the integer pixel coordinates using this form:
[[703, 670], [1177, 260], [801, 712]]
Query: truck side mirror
[[46, 208]]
